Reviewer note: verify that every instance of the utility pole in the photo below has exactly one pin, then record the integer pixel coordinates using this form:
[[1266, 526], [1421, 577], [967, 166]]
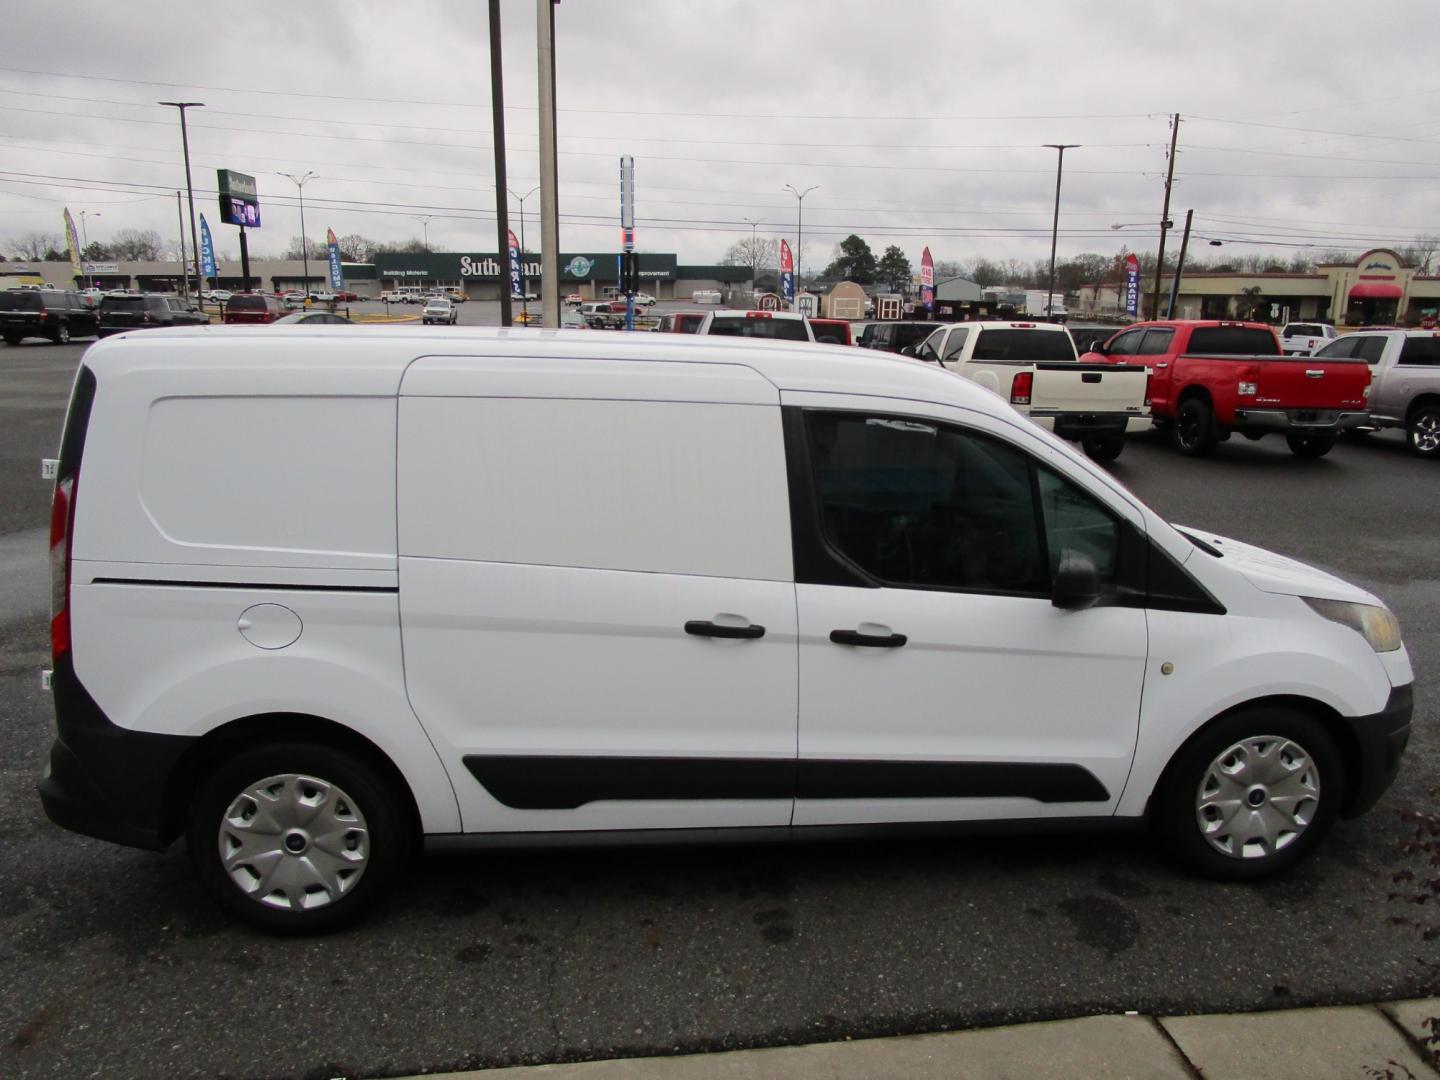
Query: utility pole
[[549, 182], [1165, 215], [1055, 225], [1179, 266], [184, 272], [799, 227], [189, 187], [502, 208], [304, 240]]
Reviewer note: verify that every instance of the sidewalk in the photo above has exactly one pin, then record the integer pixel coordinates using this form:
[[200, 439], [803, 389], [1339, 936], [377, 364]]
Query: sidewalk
[[1354, 1042]]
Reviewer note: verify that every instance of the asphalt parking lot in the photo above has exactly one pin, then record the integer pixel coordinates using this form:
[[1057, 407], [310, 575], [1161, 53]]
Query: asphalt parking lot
[[116, 964]]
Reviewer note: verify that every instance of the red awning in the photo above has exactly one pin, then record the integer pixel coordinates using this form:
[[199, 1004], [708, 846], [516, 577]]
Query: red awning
[[1375, 290]]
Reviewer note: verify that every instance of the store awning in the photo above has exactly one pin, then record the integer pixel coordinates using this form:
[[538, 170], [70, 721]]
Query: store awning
[[1375, 290]]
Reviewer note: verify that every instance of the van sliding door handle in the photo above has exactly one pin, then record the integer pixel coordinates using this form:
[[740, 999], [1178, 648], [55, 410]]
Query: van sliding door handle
[[706, 628], [873, 641]]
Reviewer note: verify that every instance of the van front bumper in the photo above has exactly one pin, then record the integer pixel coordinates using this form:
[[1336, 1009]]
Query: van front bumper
[[1382, 738], [106, 781]]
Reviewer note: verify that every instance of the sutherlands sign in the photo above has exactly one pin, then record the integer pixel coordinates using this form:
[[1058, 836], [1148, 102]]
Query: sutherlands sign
[[597, 267], [486, 267]]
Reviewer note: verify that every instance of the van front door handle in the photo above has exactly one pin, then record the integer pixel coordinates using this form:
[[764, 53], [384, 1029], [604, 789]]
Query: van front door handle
[[706, 628], [871, 641]]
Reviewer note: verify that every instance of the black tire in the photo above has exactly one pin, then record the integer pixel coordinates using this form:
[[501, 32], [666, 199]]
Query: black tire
[[347, 782], [61, 336], [1422, 430], [1310, 446], [1103, 447], [12, 339], [1194, 430], [1176, 812]]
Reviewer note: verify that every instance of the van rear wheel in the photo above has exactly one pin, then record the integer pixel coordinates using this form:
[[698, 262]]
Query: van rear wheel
[[1310, 446], [297, 838], [1103, 447], [1252, 795]]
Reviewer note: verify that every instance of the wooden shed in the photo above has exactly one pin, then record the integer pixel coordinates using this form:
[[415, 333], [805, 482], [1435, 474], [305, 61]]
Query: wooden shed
[[843, 300]]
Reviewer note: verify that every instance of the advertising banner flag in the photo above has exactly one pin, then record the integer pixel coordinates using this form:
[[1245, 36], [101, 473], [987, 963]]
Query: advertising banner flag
[[73, 242], [1132, 285], [516, 286], [787, 272], [208, 269], [927, 280], [332, 249]]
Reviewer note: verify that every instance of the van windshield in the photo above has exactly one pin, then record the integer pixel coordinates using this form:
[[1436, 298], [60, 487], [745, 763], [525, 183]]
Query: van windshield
[[744, 326], [20, 300]]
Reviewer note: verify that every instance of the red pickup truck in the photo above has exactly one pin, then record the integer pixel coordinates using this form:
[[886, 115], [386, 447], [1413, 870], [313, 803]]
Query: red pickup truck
[[1209, 379]]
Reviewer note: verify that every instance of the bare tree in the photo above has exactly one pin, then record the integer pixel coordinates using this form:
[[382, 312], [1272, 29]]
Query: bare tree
[[357, 248], [137, 246], [758, 253], [1421, 253], [34, 246]]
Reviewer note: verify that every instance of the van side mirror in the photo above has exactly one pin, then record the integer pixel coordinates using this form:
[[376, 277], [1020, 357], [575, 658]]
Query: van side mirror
[[1077, 582]]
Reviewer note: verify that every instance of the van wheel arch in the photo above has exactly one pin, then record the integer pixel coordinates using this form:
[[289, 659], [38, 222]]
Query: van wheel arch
[[1345, 740], [217, 746]]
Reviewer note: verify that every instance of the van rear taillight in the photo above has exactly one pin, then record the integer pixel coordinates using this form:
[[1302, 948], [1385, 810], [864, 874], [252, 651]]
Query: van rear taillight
[[62, 521], [1021, 387]]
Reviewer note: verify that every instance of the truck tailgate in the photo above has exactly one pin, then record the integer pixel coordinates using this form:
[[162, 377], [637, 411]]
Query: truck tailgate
[[1089, 388], [1302, 382]]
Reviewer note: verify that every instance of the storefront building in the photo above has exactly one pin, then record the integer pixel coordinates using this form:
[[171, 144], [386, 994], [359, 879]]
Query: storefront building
[[589, 274]]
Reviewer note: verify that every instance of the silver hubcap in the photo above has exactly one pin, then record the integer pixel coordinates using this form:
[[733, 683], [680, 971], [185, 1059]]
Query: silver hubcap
[[1425, 432], [294, 842], [1257, 797]]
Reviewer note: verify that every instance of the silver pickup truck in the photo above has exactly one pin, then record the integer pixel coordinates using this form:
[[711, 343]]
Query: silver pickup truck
[[1034, 366], [1404, 380]]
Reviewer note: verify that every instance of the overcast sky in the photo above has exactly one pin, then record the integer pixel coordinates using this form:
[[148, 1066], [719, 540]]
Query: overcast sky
[[1304, 124]]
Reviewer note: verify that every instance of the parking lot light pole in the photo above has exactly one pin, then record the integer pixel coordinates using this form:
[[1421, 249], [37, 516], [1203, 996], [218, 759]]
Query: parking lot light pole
[[304, 240], [799, 226], [524, 277], [754, 224], [1055, 224], [189, 187]]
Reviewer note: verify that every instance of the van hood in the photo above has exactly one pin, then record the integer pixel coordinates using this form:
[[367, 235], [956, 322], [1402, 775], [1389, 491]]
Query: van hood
[[1274, 573]]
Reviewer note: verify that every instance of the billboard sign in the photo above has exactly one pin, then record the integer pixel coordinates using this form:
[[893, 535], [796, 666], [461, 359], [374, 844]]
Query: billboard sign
[[927, 280], [239, 199], [787, 272], [1132, 285]]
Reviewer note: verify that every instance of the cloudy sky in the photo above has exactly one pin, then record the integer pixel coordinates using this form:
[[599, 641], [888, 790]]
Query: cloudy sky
[[1304, 125]]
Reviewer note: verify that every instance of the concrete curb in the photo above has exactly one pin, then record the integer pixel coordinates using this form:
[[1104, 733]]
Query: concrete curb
[[1295, 1044]]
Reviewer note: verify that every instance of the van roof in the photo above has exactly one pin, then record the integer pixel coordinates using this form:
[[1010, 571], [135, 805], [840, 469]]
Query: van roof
[[378, 356]]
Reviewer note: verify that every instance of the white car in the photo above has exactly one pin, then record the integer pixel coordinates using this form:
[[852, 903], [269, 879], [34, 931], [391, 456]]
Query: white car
[[324, 296], [771, 325], [1303, 338], [218, 296], [644, 300], [293, 300], [439, 309], [509, 584]]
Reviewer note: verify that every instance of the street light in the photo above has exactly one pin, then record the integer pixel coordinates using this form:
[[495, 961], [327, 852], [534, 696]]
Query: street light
[[304, 241], [799, 225], [425, 224], [524, 278], [1055, 225], [754, 224], [189, 187]]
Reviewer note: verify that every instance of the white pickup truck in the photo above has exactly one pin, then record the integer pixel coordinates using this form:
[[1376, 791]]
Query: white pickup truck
[[1303, 338], [1034, 366], [1404, 381]]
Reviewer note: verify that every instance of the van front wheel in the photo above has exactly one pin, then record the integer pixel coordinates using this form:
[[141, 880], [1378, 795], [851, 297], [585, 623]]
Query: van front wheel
[[1251, 795], [297, 837]]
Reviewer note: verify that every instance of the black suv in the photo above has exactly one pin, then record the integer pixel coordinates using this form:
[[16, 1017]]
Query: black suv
[[47, 313], [120, 313], [895, 336]]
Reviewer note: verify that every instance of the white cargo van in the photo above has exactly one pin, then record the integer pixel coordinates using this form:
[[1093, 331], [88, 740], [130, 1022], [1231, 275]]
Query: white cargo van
[[324, 595]]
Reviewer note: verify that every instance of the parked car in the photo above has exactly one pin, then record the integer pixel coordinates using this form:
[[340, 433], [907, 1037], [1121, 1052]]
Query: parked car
[[895, 336], [345, 296], [680, 322], [438, 309], [356, 557], [293, 300], [574, 299], [220, 296], [601, 315], [312, 318], [457, 295], [92, 296], [324, 296], [831, 331], [393, 296], [1405, 380], [775, 325], [529, 297], [146, 311], [253, 308], [1211, 378], [644, 300], [47, 313], [1033, 366], [1304, 338]]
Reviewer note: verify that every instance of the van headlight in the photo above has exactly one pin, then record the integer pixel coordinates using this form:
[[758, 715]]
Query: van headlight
[[1375, 624]]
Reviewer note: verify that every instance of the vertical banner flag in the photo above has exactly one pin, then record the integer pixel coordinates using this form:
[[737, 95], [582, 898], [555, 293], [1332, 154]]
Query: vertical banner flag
[[73, 242], [516, 288], [927, 280], [332, 250], [208, 269], [787, 273], [1132, 285]]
